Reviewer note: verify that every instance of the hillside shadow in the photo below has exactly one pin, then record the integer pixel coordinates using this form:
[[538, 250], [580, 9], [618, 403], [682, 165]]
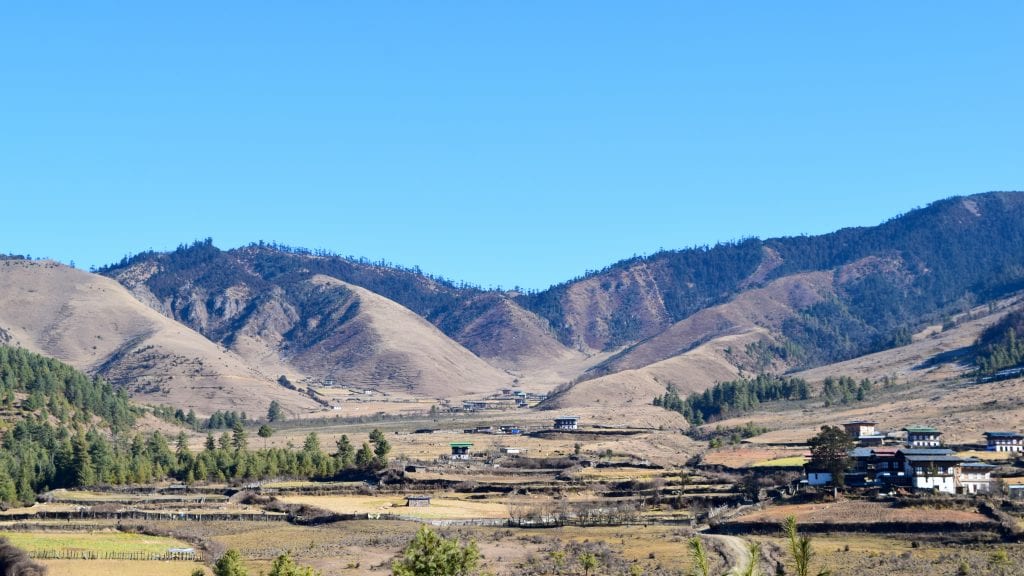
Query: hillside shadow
[[961, 356]]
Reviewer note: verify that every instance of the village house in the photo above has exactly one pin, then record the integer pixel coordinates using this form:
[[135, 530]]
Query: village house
[[926, 468], [567, 423], [873, 466], [859, 428], [864, 432], [1004, 441], [975, 477], [930, 469], [922, 437], [460, 450], [417, 501]]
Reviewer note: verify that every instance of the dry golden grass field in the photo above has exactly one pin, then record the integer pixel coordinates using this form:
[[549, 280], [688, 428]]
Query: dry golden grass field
[[444, 508], [860, 511], [120, 568]]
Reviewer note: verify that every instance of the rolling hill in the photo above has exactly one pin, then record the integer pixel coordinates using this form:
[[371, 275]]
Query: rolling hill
[[96, 325], [613, 338]]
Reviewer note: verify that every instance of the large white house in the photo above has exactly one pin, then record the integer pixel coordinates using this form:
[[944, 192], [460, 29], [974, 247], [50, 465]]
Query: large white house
[[923, 437], [1004, 441], [931, 469]]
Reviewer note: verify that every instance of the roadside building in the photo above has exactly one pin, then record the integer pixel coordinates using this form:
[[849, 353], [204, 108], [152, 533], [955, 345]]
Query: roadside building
[[922, 437], [460, 450], [567, 423], [1004, 441]]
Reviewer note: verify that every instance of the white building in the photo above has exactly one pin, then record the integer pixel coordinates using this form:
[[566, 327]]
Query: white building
[[975, 477], [923, 437], [567, 423], [1004, 441]]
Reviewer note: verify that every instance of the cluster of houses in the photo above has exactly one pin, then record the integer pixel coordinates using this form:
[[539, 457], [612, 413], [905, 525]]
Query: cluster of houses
[[460, 450], [921, 463], [506, 399]]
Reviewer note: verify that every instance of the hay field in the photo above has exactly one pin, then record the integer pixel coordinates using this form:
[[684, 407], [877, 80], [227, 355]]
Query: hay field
[[93, 541], [120, 568], [860, 511], [439, 509], [787, 462]]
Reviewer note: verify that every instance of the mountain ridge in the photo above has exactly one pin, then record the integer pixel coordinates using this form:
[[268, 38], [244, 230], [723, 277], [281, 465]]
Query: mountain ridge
[[683, 317]]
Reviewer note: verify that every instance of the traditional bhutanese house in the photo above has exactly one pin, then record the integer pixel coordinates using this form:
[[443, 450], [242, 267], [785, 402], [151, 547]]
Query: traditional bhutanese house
[[975, 477], [1004, 441], [883, 464], [871, 465], [1015, 491], [859, 428], [460, 450], [567, 423], [859, 473], [922, 437], [932, 469], [417, 501]]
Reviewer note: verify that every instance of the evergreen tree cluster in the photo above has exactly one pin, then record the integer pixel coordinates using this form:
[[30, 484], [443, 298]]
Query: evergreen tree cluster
[[177, 416], [726, 399], [845, 390], [1001, 346], [224, 419], [42, 383], [68, 430], [732, 397]]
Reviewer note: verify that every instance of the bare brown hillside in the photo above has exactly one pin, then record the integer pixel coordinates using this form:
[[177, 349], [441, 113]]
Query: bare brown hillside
[[376, 343], [96, 325]]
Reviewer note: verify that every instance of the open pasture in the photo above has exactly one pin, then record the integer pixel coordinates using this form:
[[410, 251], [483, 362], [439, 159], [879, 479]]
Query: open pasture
[[446, 508], [860, 511], [99, 542], [120, 568]]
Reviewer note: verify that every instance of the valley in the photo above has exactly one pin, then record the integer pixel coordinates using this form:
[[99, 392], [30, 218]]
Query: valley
[[270, 400]]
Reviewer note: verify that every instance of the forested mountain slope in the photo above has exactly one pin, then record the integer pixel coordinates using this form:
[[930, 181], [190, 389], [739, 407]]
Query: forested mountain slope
[[691, 316], [887, 280]]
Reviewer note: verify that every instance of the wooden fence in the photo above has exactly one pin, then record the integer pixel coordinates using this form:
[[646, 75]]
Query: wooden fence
[[80, 554], [144, 515]]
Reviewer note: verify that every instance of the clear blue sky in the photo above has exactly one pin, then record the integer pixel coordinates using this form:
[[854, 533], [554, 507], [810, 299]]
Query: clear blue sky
[[500, 143]]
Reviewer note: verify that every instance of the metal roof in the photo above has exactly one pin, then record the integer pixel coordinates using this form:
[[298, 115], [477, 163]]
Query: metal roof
[[1004, 434], [976, 464], [933, 458], [921, 430], [925, 451]]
